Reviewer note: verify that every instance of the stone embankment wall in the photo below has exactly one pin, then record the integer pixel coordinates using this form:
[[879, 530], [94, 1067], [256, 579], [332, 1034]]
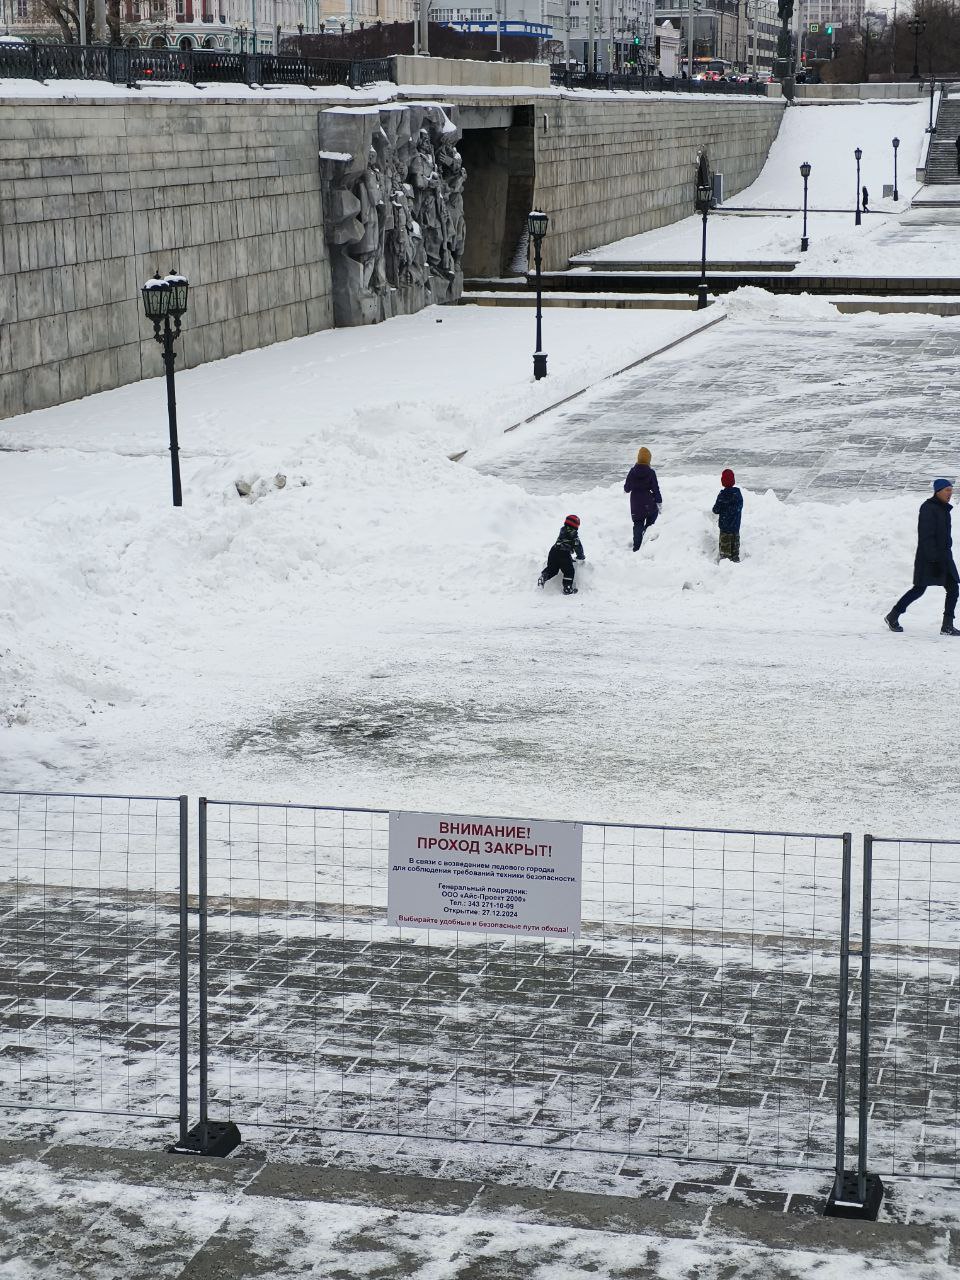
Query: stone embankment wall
[[95, 195], [613, 166]]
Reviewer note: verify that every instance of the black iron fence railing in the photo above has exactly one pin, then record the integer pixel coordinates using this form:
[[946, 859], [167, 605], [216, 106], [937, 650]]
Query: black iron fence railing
[[647, 81], [120, 65]]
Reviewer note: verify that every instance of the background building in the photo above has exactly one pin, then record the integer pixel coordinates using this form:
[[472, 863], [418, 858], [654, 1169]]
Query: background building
[[235, 25], [727, 29]]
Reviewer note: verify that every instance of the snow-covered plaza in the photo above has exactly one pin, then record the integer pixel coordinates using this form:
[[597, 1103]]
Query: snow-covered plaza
[[345, 611]]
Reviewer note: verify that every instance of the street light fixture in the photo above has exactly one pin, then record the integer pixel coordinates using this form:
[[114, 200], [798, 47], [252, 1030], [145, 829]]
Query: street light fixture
[[931, 127], [537, 224], [896, 144], [165, 299], [703, 202], [859, 156], [805, 175], [916, 26]]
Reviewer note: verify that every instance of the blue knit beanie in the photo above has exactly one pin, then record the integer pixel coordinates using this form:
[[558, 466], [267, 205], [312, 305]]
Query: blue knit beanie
[[942, 484]]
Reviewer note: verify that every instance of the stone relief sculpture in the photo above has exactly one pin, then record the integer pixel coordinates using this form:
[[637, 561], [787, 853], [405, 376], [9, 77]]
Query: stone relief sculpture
[[392, 181]]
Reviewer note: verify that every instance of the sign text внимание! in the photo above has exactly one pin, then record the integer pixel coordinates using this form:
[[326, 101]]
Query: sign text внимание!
[[509, 875]]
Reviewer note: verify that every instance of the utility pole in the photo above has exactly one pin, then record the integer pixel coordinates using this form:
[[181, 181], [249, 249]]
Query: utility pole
[[424, 27], [690, 38], [566, 35], [591, 48]]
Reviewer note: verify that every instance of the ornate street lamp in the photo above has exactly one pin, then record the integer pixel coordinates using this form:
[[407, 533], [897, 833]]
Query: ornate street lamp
[[858, 155], [916, 26], [931, 127], [165, 299], [896, 144], [704, 201], [805, 175], [537, 224]]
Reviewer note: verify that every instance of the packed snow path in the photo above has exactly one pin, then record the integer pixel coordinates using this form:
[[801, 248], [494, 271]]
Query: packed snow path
[[823, 410]]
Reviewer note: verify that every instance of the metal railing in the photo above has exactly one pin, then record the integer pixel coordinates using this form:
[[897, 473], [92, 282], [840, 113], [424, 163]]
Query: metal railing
[[131, 66], [95, 954], [696, 1016], [909, 1084], [650, 81], [703, 1012]]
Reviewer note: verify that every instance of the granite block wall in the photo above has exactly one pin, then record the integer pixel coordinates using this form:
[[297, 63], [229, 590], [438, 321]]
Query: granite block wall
[[95, 195], [610, 166]]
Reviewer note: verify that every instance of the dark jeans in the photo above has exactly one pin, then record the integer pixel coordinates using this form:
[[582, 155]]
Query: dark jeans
[[952, 589], [640, 527], [559, 561]]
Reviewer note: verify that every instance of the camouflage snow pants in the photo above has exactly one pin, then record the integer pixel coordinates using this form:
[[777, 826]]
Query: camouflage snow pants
[[730, 547]]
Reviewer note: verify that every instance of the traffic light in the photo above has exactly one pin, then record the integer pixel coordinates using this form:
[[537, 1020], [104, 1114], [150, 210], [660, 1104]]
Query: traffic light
[[828, 29], [636, 39]]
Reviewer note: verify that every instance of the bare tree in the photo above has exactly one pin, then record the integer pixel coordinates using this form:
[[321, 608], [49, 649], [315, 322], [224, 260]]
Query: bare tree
[[66, 14]]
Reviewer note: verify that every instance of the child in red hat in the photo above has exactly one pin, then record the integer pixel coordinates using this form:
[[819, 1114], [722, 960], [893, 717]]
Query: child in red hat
[[729, 507], [560, 557]]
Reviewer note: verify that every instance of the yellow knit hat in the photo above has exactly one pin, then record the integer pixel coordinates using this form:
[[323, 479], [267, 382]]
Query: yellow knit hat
[[643, 457]]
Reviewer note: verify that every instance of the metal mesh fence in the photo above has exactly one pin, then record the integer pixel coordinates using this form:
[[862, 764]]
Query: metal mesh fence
[[695, 1016], [913, 1064], [92, 953]]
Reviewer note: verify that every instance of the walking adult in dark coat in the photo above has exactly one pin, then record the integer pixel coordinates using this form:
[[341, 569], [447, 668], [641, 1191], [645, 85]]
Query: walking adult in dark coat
[[934, 564], [645, 499]]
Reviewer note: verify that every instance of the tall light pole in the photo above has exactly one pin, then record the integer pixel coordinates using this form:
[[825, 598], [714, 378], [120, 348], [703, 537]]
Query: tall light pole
[[703, 202], [916, 26], [858, 155], [931, 127], [896, 144], [537, 224], [165, 299], [805, 175]]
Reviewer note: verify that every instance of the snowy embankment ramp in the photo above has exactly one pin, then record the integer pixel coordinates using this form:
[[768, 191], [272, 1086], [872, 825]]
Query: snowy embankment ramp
[[764, 221]]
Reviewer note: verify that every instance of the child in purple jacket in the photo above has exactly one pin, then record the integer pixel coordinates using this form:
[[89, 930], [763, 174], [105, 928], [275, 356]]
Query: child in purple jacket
[[645, 499]]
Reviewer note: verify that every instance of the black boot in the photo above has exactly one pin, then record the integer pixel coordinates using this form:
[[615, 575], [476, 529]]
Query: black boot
[[540, 580], [893, 622], [570, 590], [948, 629]]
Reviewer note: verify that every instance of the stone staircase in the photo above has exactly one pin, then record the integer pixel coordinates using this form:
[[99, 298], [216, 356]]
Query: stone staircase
[[941, 169]]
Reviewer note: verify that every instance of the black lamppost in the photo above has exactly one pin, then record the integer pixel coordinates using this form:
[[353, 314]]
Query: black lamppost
[[859, 156], [931, 127], [703, 203], [537, 226], [916, 26], [165, 299], [300, 38], [805, 175], [896, 144]]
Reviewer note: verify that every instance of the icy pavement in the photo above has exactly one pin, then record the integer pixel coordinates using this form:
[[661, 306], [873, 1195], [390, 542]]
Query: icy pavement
[[821, 409]]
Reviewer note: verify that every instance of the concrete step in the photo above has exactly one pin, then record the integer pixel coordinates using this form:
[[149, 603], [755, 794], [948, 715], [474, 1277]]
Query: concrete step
[[689, 264], [626, 302]]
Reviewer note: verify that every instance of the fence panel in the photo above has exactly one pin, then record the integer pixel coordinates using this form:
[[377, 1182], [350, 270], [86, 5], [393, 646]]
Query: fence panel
[[695, 1017], [92, 1009], [912, 1086]]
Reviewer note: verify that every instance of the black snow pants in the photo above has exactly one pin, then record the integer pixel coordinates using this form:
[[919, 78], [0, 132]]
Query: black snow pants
[[559, 561]]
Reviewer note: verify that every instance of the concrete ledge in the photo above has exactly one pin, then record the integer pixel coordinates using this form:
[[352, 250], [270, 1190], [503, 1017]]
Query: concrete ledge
[[886, 1240], [409, 69], [405, 1193], [589, 1212]]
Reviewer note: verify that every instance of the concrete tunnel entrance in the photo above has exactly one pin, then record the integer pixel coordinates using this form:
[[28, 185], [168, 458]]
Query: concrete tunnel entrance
[[498, 155]]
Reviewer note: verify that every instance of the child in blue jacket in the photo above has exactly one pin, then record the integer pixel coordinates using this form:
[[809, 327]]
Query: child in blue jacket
[[729, 507]]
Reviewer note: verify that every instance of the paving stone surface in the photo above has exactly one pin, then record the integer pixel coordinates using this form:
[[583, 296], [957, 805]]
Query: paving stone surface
[[862, 409]]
